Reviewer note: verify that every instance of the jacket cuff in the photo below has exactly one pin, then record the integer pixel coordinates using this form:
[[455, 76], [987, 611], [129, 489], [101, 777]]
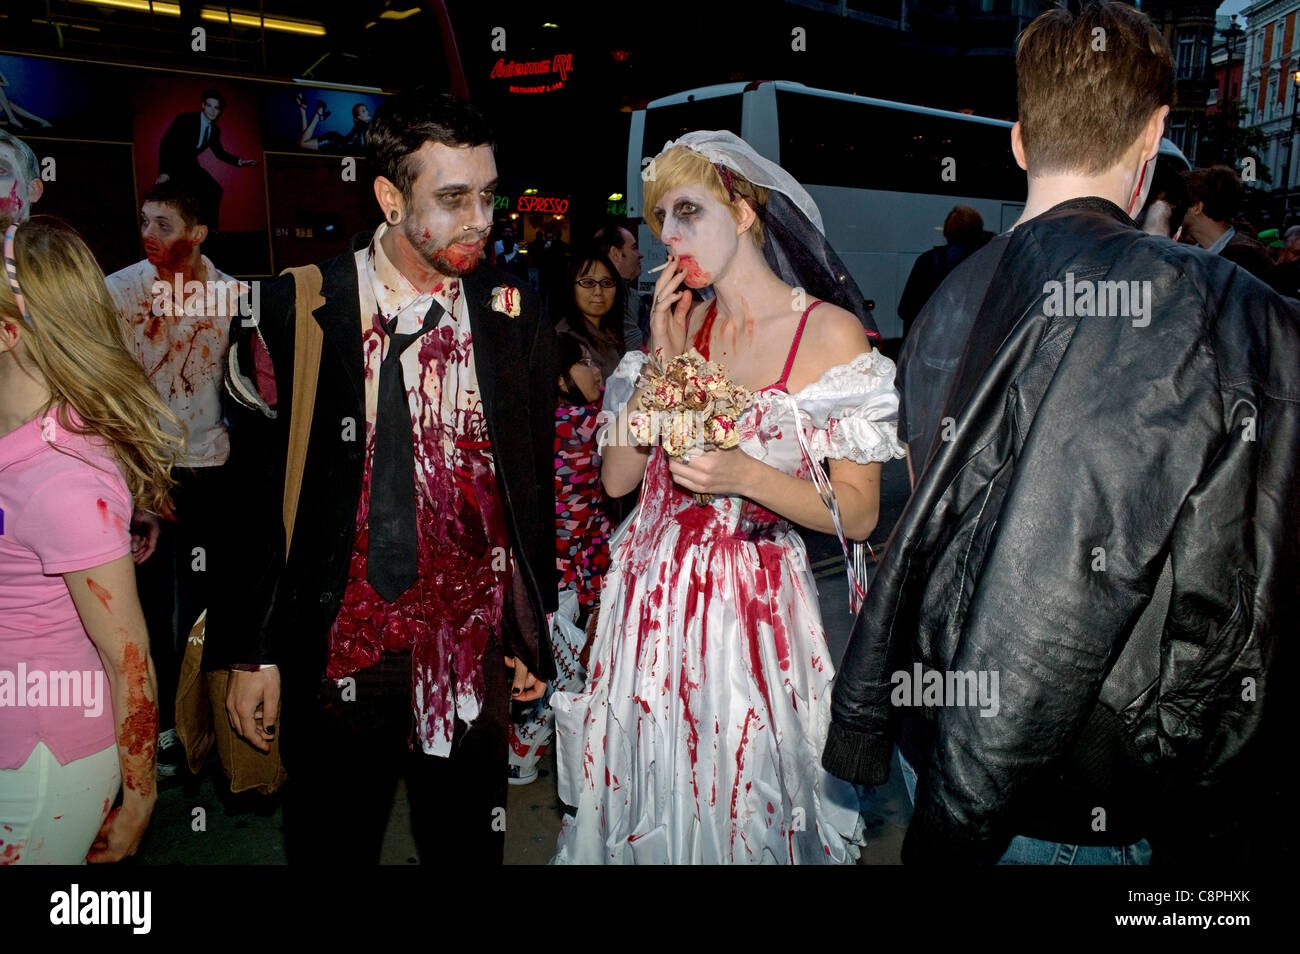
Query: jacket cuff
[[857, 756], [931, 840]]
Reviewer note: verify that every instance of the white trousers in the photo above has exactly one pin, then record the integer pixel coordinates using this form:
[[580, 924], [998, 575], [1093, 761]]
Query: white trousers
[[50, 813]]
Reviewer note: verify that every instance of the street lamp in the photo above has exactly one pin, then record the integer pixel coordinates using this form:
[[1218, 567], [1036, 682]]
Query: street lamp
[[1231, 34]]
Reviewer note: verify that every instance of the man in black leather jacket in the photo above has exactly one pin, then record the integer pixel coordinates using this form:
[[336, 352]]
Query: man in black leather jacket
[[1106, 521]]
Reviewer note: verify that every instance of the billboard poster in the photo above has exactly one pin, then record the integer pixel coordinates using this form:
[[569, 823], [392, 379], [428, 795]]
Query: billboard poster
[[307, 119], [204, 133]]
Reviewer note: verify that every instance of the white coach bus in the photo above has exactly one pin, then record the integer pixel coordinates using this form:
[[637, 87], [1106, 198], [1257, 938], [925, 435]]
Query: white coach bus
[[883, 174]]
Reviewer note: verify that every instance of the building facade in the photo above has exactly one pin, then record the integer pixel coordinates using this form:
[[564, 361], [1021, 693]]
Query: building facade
[[1271, 61], [1188, 28], [1225, 62]]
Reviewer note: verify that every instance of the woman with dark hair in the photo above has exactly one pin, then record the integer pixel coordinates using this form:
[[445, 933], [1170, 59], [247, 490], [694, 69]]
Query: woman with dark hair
[[582, 531], [594, 313]]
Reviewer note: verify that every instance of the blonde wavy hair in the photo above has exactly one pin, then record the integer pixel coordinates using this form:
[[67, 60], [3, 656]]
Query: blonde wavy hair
[[77, 341]]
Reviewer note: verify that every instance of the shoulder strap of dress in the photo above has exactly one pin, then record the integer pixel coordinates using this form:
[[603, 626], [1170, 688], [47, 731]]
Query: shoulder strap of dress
[[794, 347]]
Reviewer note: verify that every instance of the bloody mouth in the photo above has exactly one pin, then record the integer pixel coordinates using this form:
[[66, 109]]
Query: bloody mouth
[[696, 277], [458, 258]]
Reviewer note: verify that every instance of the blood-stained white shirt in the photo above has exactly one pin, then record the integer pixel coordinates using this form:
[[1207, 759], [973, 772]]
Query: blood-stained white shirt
[[438, 368], [182, 348]]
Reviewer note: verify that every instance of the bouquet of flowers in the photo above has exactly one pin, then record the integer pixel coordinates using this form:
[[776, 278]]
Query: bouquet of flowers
[[688, 405]]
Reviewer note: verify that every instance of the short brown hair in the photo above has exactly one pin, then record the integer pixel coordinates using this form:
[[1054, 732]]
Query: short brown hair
[[1081, 106], [179, 199], [407, 121], [1218, 190], [963, 226]]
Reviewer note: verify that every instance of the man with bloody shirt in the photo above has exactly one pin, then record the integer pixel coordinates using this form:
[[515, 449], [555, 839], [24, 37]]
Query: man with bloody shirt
[[422, 565], [177, 307]]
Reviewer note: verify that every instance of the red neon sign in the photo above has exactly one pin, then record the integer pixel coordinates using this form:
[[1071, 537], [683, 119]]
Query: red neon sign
[[542, 203], [561, 65]]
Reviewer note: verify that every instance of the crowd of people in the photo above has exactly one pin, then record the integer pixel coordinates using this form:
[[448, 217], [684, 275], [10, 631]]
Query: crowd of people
[[410, 500]]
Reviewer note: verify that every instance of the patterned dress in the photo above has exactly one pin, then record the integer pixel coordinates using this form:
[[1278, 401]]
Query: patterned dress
[[582, 526], [582, 530], [698, 737]]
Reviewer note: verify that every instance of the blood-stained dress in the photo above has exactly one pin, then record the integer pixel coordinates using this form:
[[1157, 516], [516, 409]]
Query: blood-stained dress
[[698, 738]]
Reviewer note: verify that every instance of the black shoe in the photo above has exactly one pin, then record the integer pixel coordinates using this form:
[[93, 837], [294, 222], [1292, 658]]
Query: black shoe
[[321, 111], [171, 754]]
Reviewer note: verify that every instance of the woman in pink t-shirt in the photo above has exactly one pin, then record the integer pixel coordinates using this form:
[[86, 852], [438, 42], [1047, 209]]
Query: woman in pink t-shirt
[[80, 446]]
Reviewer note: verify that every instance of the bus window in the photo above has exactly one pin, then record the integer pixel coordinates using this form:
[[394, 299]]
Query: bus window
[[667, 123], [835, 142]]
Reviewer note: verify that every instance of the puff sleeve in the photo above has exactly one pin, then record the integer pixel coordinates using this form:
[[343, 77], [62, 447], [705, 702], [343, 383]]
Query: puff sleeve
[[854, 411]]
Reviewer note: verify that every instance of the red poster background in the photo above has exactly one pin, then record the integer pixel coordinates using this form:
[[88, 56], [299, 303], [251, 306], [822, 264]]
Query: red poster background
[[160, 97]]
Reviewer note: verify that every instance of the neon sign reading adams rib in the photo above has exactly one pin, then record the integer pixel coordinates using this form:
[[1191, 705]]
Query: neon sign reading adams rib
[[561, 64], [542, 203]]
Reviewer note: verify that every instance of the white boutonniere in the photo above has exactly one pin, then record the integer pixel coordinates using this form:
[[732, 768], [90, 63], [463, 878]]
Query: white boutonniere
[[505, 299]]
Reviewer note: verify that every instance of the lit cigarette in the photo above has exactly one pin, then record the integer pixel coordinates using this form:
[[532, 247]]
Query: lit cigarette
[[659, 268]]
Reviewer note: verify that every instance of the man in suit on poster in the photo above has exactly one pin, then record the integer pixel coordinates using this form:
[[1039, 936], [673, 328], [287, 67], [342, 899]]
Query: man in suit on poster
[[189, 135]]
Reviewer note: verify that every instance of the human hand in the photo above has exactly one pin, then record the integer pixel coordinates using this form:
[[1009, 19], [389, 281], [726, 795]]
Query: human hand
[[248, 162], [527, 687], [726, 472], [122, 831], [669, 310], [144, 535], [253, 705]]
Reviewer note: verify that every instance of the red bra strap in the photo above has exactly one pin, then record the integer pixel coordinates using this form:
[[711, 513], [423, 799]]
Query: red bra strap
[[794, 348]]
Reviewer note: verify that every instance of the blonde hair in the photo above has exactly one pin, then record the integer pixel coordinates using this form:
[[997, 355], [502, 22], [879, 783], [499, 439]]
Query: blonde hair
[[77, 340], [679, 167]]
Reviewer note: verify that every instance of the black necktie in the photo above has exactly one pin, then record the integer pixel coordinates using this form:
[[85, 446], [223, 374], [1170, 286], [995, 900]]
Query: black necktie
[[392, 564]]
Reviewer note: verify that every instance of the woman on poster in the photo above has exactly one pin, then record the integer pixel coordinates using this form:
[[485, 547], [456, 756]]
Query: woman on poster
[[698, 736]]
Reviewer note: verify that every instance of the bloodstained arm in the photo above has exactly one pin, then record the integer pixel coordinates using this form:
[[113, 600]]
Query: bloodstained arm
[[106, 599]]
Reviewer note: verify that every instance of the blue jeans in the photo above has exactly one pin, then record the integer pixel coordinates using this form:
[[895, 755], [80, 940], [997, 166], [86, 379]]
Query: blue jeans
[[1032, 851]]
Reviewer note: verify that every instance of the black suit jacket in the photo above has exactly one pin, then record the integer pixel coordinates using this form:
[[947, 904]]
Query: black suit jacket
[[179, 152], [278, 611]]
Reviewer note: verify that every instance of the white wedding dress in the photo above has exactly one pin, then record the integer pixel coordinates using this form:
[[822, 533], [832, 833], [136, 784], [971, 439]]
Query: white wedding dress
[[698, 737]]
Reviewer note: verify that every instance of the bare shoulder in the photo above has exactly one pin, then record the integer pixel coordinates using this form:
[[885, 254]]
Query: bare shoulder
[[836, 335]]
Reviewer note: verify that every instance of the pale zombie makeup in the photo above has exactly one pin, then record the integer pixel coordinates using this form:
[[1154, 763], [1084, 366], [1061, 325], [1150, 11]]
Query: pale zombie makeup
[[13, 189], [699, 230], [450, 213], [167, 242]]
